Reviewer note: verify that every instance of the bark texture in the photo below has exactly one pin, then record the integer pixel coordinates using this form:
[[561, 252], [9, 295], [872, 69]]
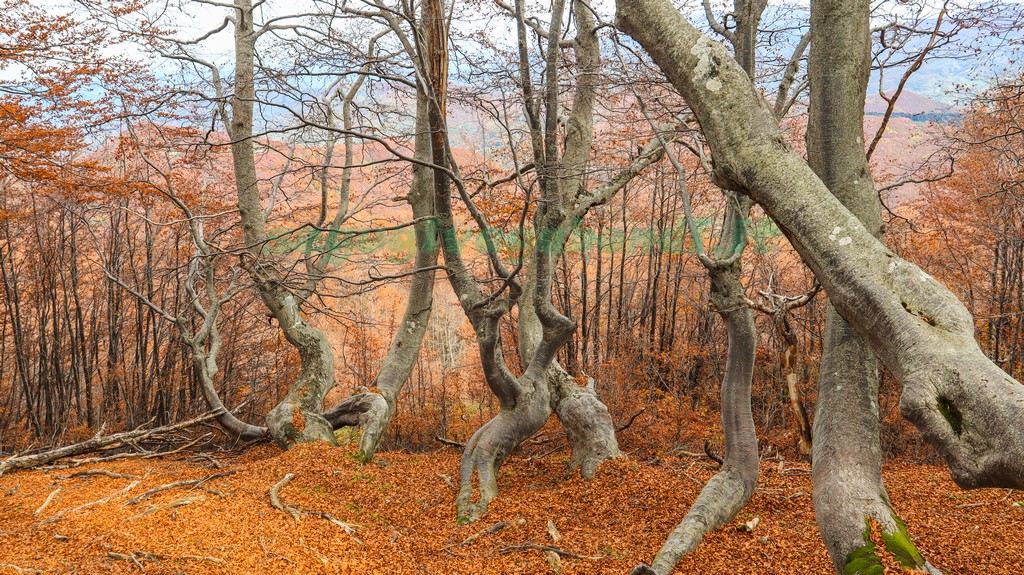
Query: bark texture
[[847, 458], [729, 490], [967, 407], [584, 417], [586, 420]]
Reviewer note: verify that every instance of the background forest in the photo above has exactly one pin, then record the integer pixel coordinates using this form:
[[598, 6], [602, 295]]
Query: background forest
[[334, 218], [92, 228]]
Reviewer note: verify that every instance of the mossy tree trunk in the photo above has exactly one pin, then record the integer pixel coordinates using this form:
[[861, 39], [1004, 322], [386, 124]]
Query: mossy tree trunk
[[847, 458]]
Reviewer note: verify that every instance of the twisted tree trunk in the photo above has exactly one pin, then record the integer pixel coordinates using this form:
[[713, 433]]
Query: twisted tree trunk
[[964, 405], [729, 490], [297, 418], [584, 417]]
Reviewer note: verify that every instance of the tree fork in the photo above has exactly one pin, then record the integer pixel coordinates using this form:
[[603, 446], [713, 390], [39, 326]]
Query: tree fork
[[964, 405], [373, 411]]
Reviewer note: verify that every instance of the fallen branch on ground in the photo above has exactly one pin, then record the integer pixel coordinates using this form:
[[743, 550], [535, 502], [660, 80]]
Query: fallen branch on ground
[[176, 484], [488, 531], [275, 496], [455, 444], [138, 455], [59, 516], [103, 472], [624, 427], [97, 443], [171, 505], [707, 450], [546, 549], [296, 512], [19, 569], [49, 498]]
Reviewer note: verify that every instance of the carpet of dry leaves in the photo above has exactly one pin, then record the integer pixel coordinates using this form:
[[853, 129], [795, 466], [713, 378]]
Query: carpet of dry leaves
[[399, 517]]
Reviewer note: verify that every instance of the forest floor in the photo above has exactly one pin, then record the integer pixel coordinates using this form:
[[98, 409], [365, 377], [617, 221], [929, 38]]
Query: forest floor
[[401, 512]]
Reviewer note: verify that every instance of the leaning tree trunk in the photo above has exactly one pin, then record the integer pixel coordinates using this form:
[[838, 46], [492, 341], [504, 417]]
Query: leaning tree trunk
[[205, 366], [729, 490], [373, 411], [847, 457], [963, 404], [297, 418]]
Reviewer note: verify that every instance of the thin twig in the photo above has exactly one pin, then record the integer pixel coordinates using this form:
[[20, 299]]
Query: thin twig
[[189, 483]]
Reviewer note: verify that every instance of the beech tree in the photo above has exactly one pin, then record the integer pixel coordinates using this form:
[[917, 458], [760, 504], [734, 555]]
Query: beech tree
[[286, 291], [964, 405], [528, 400], [847, 462]]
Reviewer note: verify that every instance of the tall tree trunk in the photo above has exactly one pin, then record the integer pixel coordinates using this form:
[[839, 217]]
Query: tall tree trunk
[[729, 490], [964, 405], [297, 418], [373, 411], [847, 457]]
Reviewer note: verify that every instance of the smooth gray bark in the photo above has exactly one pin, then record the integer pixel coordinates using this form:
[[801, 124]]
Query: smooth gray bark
[[963, 404], [729, 490], [847, 458], [586, 420], [373, 411], [297, 418], [527, 401]]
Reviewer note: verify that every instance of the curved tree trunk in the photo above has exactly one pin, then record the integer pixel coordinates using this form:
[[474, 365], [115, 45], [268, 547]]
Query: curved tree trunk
[[373, 411], [586, 420], [731, 488], [964, 405], [847, 462], [523, 401], [297, 418], [206, 369]]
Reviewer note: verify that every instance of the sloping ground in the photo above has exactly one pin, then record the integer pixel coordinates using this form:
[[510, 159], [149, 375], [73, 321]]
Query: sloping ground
[[402, 513]]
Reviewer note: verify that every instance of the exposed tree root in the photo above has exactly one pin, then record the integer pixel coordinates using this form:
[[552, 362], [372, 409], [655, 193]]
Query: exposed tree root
[[371, 412]]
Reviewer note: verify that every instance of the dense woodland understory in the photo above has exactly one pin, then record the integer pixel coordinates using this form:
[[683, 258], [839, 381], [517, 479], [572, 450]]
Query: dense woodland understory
[[669, 282]]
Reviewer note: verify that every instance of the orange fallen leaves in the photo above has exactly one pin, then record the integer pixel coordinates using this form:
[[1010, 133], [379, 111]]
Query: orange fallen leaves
[[402, 513]]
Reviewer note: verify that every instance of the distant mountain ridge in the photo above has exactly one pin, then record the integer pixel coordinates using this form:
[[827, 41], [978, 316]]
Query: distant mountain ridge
[[912, 105]]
